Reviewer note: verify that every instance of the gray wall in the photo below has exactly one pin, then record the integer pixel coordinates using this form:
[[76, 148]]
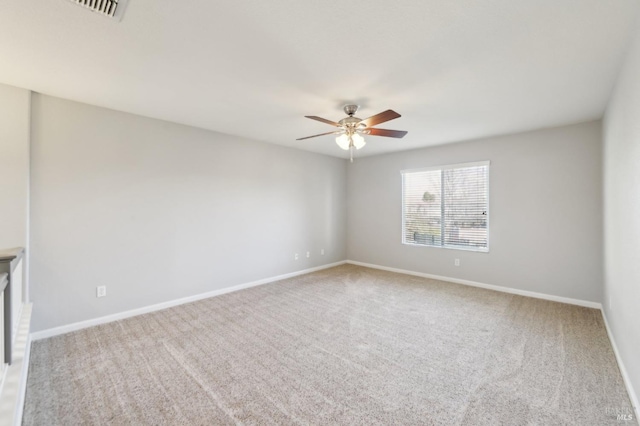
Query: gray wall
[[158, 211], [622, 214], [14, 166], [545, 212]]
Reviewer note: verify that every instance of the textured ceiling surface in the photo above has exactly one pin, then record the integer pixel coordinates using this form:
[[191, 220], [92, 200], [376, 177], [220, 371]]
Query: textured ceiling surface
[[455, 70]]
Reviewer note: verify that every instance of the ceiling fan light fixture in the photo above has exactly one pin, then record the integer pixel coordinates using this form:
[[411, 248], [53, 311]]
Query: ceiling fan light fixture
[[358, 141], [343, 141]]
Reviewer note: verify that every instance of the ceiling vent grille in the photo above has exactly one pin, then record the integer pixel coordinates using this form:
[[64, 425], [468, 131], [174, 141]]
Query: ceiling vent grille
[[111, 8]]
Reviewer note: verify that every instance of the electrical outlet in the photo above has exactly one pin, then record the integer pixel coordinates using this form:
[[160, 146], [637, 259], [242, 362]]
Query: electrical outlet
[[296, 256], [322, 252], [101, 291], [308, 255], [457, 262]]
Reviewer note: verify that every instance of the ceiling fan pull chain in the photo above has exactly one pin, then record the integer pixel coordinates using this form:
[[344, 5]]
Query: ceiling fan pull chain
[[351, 152]]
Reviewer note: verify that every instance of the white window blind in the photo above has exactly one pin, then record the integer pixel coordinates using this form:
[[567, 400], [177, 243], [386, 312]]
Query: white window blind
[[447, 206]]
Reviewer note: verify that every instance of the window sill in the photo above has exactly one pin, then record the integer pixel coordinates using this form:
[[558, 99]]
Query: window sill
[[474, 249]]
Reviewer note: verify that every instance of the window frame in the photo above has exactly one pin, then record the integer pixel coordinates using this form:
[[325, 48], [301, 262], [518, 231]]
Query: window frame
[[442, 168]]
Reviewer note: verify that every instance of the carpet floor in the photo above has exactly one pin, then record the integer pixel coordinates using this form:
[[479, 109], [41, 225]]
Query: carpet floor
[[346, 345]]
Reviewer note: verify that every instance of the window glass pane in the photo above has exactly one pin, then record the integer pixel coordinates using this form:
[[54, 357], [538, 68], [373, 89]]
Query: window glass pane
[[423, 207], [447, 206], [465, 210]]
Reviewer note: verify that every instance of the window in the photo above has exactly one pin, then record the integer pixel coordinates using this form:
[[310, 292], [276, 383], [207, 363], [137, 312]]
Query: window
[[447, 206]]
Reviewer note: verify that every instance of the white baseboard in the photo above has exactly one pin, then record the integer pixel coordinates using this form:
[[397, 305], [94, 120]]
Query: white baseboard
[[43, 334], [509, 290], [625, 376]]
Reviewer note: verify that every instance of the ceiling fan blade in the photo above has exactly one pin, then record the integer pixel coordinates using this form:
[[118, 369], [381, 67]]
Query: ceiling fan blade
[[315, 136], [324, 120], [380, 118], [385, 132]]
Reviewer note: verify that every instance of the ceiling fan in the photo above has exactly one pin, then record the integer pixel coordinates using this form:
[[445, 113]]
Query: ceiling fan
[[352, 128]]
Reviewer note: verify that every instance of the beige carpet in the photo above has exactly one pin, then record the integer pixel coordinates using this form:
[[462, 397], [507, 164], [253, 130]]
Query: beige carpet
[[347, 345]]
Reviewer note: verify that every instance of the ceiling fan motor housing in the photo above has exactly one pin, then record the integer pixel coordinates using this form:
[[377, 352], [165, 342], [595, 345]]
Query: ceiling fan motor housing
[[350, 124], [349, 121], [351, 109]]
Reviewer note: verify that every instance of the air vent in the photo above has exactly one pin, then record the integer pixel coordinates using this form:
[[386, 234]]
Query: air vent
[[111, 8]]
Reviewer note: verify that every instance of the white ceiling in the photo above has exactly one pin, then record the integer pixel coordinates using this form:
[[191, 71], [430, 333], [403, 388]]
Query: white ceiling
[[455, 70]]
